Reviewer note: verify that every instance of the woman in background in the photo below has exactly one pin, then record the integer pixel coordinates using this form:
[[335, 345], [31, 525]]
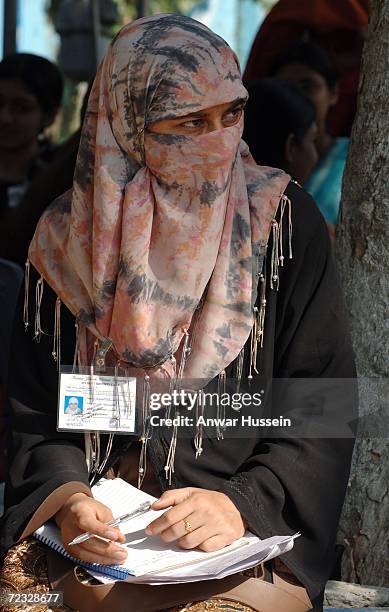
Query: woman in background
[[30, 97], [338, 27], [280, 127], [306, 66]]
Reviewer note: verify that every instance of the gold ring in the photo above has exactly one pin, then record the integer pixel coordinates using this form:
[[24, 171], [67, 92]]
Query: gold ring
[[188, 526]]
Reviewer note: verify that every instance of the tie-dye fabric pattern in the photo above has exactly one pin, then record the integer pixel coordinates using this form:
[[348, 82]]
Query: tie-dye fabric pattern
[[157, 226]]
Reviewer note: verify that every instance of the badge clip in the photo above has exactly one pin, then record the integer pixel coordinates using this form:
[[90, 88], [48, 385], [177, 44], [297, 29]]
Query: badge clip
[[101, 354]]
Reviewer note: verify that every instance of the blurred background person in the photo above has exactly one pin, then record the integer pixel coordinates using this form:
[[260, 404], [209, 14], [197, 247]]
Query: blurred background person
[[308, 67], [18, 225], [30, 97], [280, 127], [339, 27]]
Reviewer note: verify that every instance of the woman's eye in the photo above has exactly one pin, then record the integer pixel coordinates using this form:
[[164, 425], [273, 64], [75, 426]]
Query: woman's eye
[[232, 116], [18, 107], [307, 87], [193, 124], [23, 108]]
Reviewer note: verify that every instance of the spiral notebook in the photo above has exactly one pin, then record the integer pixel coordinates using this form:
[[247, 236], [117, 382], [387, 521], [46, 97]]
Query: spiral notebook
[[152, 561]]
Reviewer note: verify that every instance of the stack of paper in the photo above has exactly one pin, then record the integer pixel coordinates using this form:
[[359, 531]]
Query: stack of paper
[[152, 561]]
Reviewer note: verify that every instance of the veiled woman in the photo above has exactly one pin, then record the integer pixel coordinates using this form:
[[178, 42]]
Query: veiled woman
[[171, 239]]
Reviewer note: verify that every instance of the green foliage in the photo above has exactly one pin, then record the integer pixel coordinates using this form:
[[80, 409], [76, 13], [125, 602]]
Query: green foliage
[[128, 7], [266, 4], [183, 7], [174, 6]]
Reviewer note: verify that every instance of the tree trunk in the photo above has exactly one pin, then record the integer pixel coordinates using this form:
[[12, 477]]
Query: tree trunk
[[362, 252], [345, 595]]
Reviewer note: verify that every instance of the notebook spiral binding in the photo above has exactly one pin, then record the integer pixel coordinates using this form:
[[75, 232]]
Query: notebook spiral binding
[[115, 571]]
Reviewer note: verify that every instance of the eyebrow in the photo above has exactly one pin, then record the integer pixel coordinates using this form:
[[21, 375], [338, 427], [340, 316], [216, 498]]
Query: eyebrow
[[200, 114], [19, 99]]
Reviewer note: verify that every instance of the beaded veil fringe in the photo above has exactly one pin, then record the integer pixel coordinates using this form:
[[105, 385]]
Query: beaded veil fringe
[[92, 439]]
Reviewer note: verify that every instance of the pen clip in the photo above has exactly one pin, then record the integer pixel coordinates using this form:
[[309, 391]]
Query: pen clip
[[145, 507]]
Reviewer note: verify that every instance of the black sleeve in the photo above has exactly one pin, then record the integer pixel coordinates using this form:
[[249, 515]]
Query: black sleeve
[[298, 483], [41, 459]]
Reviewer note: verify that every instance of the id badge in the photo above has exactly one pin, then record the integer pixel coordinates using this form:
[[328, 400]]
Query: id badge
[[92, 401]]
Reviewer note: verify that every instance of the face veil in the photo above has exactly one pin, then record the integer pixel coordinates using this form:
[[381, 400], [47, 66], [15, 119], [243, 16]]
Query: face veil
[[161, 233]]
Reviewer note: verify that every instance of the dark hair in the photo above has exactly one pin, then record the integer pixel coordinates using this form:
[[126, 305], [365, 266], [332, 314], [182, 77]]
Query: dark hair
[[40, 76], [274, 110], [309, 54]]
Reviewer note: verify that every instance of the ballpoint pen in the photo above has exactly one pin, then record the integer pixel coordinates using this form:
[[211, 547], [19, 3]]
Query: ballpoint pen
[[113, 523]]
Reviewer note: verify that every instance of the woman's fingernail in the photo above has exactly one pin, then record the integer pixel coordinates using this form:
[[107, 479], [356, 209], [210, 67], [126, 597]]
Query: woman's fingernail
[[148, 531], [111, 534]]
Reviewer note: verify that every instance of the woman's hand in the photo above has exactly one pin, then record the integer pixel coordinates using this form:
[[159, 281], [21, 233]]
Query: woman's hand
[[212, 517], [81, 513]]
